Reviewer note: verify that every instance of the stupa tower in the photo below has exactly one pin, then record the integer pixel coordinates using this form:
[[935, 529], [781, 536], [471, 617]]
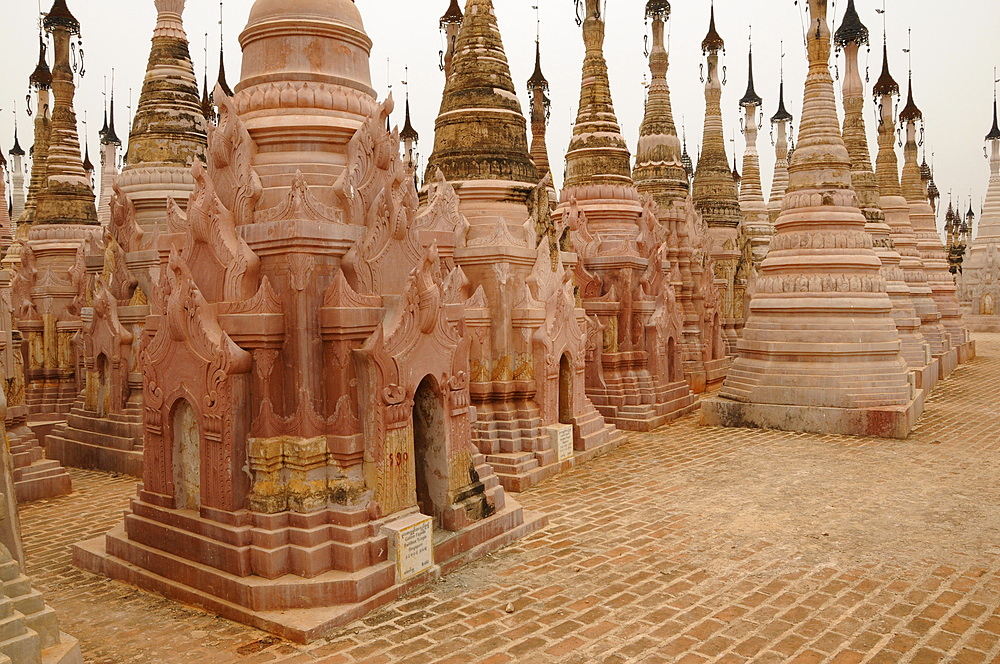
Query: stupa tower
[[68, 197], [851, 36], [109, 164], [64, 217], [541, 106], [715, 193], [5, 228], [167, 136], [820, 351], [635, 376], [16, 181], [980, 278], [780, 125], [897, 213], [450, 23], [660, 173], [306, 374], [168, 131], [512, 249], [757, 228], [41, 82], [410, 138], [935, 261]]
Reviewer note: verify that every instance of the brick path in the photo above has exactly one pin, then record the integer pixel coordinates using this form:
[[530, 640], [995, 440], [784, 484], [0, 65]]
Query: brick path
[[686, 545]]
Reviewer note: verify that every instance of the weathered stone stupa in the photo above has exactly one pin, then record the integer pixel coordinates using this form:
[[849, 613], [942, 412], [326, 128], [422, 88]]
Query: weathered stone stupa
[[780, 125], [820, 351], [58, 222], [716, 196], [109, 165], [635, 373], [929, 245], [756, 229], [660, 172], [307, 449], [16, 183], [851, 36], [104, 428], [980, 278], [897, 216], [541, 107], [528, 351]]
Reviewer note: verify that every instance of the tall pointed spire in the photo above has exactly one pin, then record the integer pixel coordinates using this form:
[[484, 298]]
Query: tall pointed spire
[[450, 23], [897, 211], [221, 82], [541, 105], [780, 124], [480, 94], [924, 222], [845, 375], [715, 193], [169, 130], [596, 131], [659, 162], [69, 195], [995, 131], [756, 229], [851, 36]]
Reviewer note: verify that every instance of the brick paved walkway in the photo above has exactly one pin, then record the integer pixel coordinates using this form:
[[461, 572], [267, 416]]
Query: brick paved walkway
[[686, 545]]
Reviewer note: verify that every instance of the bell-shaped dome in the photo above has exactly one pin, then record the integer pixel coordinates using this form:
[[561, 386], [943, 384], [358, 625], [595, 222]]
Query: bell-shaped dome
[[314, 40], [305, 89]]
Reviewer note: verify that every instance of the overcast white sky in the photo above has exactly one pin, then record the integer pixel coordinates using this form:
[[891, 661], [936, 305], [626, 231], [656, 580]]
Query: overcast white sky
[[955, 49]]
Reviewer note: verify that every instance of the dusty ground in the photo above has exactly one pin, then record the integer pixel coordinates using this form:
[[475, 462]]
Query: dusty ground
[[686, 545]]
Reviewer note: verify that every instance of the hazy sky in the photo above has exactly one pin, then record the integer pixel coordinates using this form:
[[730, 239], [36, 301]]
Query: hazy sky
[[955, 49]]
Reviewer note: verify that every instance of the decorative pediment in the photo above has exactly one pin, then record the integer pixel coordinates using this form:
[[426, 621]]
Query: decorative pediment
[[231, 152], [300, 203], [375, 191], [264, 301], [225, 267], [441, 214], [124, 227], [502, 237], [340, 295], [22, 283], [189, 320]]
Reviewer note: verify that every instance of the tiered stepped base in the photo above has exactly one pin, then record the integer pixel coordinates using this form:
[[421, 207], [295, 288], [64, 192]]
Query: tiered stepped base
[[715, 372], [293, 607], [35, 477], [29, 630], [676, 400], [521, 454], [112, 443], [882, 422]]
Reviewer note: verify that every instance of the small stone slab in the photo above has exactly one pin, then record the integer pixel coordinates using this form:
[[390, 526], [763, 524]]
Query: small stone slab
[[411, 545], [561, 439]]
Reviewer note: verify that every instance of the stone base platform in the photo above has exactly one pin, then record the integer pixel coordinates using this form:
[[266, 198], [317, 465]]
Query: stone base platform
[[676, 401], [947, 363], [926, 377], [715, 372], [67, 651], [519, 471], [114, 555], [86, 440], [967, 352], [35, 477], [890, 422]]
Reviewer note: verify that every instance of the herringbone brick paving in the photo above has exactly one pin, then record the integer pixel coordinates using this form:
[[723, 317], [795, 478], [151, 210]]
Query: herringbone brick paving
[[686, 545]]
